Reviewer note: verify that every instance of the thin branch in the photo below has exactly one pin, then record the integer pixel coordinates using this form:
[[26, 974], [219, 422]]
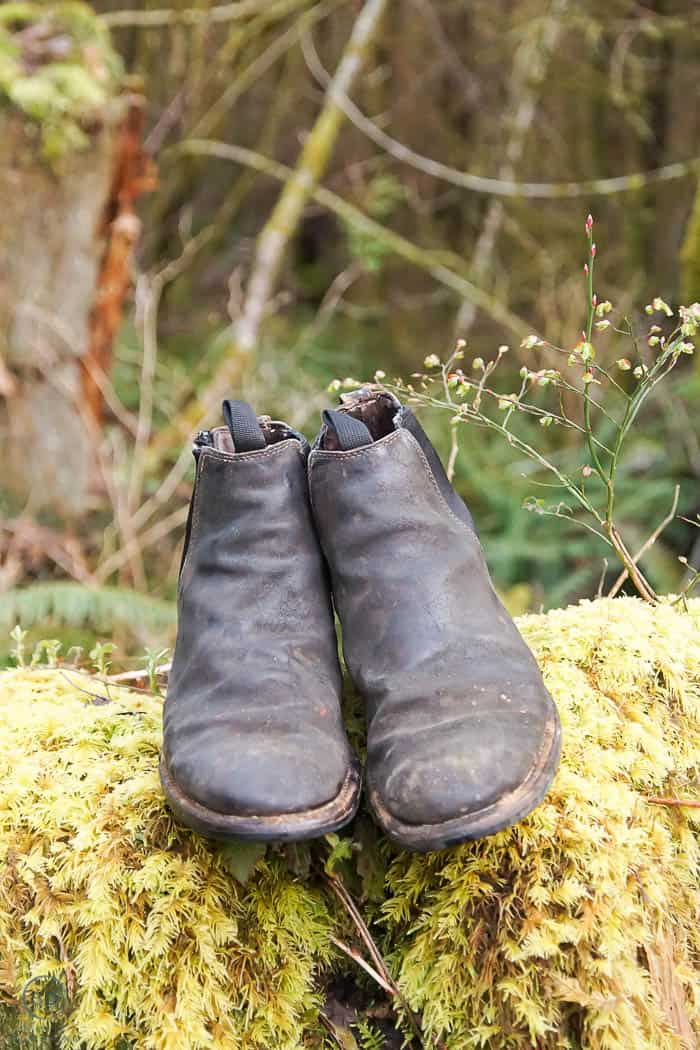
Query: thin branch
[[261, 64], [529, 71], [189, 16], [509, 187], [331, 1029], [624, 575], [362, 928], [133, 676], [381, 974], [681, 802], [432, 262], [153, 289], [601, 581], [137, 543], [356, 957], [282, 223], [532, 62]]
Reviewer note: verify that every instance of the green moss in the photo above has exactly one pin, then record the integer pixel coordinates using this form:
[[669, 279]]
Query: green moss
[[554, 933], [578, 928], [57, 67]]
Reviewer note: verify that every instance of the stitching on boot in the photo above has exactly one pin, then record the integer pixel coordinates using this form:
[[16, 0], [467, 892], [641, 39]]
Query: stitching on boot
[[244, 457], [431, 477], [319, 453]]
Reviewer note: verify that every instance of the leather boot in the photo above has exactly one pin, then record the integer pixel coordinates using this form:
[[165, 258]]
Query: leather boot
[[463, 738], [254, 744]]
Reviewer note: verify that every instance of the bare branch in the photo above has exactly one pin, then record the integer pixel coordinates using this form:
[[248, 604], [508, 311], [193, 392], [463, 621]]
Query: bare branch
[[356, 957], [624, 575], [529, 71], [506, 187], [170, 17], [680, 802], [312, 163], [435, 263]]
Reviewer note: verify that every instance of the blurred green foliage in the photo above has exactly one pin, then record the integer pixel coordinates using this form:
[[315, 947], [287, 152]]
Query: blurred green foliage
[[477, 89]]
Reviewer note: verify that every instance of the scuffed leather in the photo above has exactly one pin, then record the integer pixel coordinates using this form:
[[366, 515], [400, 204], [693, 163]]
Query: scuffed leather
[[252, 721], [457, 710]]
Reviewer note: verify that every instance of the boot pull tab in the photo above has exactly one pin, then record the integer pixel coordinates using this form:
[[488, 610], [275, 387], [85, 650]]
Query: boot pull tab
[[350, 432], [246, 433]]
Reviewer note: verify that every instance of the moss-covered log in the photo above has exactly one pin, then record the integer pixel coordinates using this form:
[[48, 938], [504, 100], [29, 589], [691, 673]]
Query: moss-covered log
[[578, 928]]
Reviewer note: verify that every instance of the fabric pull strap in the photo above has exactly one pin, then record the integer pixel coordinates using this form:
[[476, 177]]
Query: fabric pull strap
[[246, 433], [350, 432]]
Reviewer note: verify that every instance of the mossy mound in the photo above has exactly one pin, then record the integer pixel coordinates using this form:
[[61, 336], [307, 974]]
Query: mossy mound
[[578, 928]]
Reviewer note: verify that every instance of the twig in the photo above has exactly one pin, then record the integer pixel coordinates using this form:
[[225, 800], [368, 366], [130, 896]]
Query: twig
[[356, 957], [94, 696], [138, 543], [381, 974], [132, 676], [356, 916], [530, 66], [207, 123], [62, 331], [624, 575], [153, 289], [340, 284], [508, 187], [167, 487], [123, 519], [189, 16], [330, 1028], [601, 581], [61, 551], [442, 266], [684, 802]]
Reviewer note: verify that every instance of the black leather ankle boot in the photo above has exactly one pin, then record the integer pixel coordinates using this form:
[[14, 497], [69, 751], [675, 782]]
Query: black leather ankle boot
[[254, 744], [463, 737]]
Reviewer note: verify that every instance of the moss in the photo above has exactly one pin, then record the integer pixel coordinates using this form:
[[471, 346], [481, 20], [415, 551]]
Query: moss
[[549, 934], [576, 928], [99, 889], [58, 69]]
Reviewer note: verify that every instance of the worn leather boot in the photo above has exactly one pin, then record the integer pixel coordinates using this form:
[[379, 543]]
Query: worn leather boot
[[254, 744], [463, 737]]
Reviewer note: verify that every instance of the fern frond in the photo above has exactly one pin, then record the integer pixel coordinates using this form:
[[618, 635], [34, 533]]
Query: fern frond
[[76, 605]]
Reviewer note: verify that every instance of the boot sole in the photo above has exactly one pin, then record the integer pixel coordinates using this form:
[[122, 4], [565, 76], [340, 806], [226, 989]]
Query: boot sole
[[512, 808], [287, 827]]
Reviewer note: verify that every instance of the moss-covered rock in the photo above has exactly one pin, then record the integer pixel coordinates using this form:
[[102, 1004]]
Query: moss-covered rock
[[578, 928]]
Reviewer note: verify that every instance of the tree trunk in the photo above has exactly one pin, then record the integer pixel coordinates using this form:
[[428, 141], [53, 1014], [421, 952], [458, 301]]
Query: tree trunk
[[50, 252]]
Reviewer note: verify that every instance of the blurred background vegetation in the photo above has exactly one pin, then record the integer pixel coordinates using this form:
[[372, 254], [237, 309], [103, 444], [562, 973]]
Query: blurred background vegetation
[[258, 197]]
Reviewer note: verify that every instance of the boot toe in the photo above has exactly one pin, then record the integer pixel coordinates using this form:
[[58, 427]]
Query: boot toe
[[258, 775], [444, 773]]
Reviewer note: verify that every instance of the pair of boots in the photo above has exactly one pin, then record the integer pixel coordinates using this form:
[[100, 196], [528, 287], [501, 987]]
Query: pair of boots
[[463, 737]]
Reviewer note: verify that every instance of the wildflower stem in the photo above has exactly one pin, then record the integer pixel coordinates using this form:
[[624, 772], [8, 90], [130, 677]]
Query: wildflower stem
[[624, 575], [589, 331]]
